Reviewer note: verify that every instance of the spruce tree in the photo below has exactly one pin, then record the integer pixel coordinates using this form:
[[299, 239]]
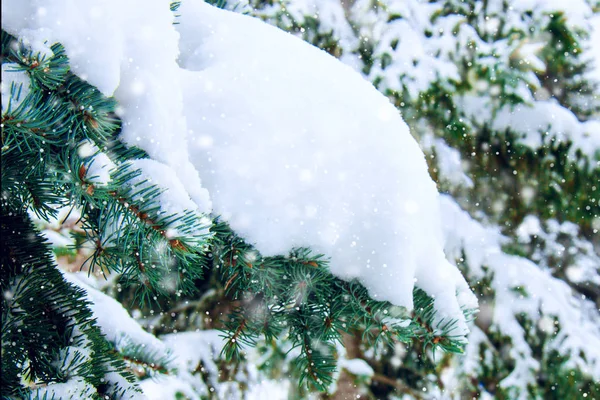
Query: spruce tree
[[65, 166]]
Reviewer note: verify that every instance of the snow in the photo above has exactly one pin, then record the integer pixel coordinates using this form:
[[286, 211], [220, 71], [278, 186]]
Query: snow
[[562, 241], [173, 199], [414, 60], [579, 320], [188, 350], [128, 50], [57, 230], [529, 227], [56, 239], [417, 45], [356, 366], [538, 124], [528, 52], [594, 47], [14, 87], [295, 148], [269, 389], [98, 165], [548, 118], [169, 387], [331, 17], [192, 350], [340, 174], [74, 388], [575, 11], [471, 363], [448, 160], [115, 322]]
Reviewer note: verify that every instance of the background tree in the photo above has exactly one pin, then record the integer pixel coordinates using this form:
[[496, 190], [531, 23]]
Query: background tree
[[140, 220]]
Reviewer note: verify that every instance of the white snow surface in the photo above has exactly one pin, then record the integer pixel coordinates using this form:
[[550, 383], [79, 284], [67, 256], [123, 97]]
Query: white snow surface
[[115, 322], [294, 147], [98, 165], [74, 388], [56, 239], [187, 351], [594, 47], [357, 366], [538, 123], [448, 160], [288, 139], [422, 46], [203, 347], [174, 200]]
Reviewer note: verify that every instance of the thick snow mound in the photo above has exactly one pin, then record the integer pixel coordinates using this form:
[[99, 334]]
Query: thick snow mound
[[297, 149]]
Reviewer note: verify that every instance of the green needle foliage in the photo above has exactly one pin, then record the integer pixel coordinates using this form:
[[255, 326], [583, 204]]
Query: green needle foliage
[[48, 331], [297, 292]]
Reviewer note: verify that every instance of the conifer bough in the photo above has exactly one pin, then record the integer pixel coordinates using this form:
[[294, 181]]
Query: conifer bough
[[62, 147]]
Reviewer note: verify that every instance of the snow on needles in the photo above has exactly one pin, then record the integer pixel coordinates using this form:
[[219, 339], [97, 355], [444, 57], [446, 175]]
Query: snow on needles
[[126, 49], [117, 326], [295, 148], [523, 289], [14, 86]]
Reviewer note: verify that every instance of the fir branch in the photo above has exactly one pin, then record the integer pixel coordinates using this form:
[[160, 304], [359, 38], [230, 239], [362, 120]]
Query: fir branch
[[38, 303]]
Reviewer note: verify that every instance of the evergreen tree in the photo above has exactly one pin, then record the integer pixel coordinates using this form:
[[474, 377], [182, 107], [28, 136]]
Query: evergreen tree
[[503, 95], [503, 98], [62, 338]]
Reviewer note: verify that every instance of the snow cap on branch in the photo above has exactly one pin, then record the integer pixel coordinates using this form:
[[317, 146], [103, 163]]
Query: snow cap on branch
[[295, 148], [298, 150]]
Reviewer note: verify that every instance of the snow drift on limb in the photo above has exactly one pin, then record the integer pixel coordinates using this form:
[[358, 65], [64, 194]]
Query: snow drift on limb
[[297, 150]]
